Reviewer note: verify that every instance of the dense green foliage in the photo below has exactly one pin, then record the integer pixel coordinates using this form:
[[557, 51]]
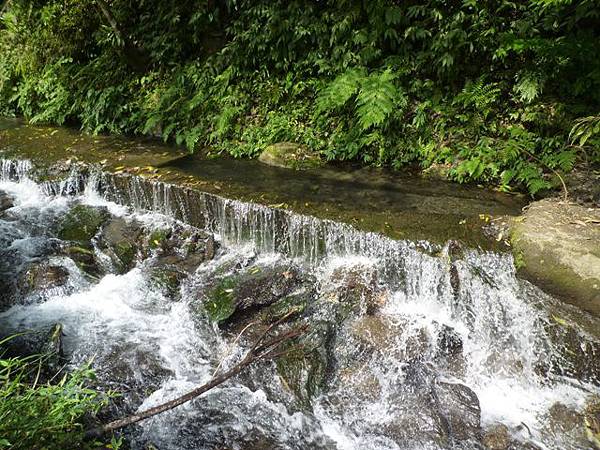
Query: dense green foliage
[[488, 89], [45, 415]]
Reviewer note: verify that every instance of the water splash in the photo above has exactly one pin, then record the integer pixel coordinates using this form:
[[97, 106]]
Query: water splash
[[424, 294]]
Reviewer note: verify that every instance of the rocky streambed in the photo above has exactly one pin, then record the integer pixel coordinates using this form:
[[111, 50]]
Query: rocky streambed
[[409, 345], [420, 334]]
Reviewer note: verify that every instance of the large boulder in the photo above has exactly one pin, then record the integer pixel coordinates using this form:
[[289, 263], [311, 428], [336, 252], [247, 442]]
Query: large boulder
[[557, 246], [290, 156], [81, 223], [249, 290]]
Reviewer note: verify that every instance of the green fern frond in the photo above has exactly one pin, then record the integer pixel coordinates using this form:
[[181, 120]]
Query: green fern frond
[[377, 99], [585, 128], [478, 94], [528, 87], [337, 93]]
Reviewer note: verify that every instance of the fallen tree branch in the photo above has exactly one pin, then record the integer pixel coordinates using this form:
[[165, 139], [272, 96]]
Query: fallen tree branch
[[263, 348]]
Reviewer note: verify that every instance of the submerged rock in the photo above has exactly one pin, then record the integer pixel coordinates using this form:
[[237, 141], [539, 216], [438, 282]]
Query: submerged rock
[[290, 156], [81, 223], [557, 245]]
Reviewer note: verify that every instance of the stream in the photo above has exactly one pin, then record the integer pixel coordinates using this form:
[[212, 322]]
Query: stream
[[410, 344]]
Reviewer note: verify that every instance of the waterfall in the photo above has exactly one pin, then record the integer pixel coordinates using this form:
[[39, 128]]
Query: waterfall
[[499, 333]]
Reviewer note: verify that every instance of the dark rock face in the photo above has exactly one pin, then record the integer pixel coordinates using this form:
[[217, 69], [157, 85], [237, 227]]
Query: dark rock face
[[578, 354], [44, 342], [6, 201]]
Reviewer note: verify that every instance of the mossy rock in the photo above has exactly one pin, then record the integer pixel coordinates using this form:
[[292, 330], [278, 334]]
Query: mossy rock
[[81, 223], [220, 301], [167, 278], [304, 367], [290, 156], [158, 237], [85, 260], [119, 238], [289, 306], [250, 290]]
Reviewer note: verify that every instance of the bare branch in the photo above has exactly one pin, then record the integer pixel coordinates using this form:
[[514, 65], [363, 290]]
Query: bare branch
[[262, 349]]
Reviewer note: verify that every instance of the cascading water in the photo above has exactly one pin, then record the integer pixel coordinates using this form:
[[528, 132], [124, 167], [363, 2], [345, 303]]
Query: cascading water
[[410, 345]]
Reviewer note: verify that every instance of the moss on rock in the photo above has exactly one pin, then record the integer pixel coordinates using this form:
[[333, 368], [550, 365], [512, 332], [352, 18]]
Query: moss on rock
[[220, 304], [81, 223]]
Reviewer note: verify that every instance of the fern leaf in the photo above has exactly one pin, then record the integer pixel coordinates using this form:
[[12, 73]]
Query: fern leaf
[[337, 93], [377, 98], [585, 128], [528, 87]]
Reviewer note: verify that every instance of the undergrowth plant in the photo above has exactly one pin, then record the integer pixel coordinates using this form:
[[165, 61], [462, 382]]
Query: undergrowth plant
[[490, 90], [47, 415]]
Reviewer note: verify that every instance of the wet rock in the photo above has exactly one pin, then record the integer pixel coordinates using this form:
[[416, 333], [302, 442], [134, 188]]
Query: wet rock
[[449, 342], [45, 342], [393, 338], [420, 411], [167, 278], [435, 413], [6, 201], [578, 353], [119, 239], [85, 260], [565, 423], [459, 406], [133, 371], [557, 246], [183, 249], [497, 437], [290, 156], [42, 276], [81, 223], [357, 288], [591, 417], [307, 363], [289, 306], [255, 287]]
